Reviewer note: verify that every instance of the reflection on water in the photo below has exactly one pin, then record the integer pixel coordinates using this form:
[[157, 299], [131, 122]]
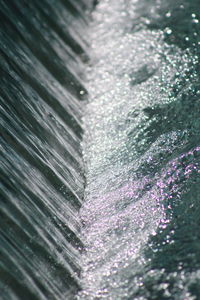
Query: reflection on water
[[135, 234], [141, 150]]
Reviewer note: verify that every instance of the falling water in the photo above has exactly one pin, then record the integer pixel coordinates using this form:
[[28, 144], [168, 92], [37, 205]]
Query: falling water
[[43, 50], [123, 222]]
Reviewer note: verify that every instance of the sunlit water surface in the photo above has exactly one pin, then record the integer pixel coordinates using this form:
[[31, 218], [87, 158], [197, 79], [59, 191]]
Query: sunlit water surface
[[141, 148]]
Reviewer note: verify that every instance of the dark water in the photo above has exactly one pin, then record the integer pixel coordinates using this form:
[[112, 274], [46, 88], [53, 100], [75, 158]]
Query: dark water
[[136, 233], [43, 48]]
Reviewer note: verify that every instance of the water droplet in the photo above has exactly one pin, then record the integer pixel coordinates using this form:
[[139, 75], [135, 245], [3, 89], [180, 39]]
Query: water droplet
[[168, 30], [168, 14], [195, 21]]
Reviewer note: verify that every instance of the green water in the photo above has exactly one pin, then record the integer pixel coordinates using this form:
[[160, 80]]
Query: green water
[[99, 149], [42, 55], [141, 150]]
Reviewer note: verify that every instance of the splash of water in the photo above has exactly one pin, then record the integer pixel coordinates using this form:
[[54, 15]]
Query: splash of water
[[139, 151]]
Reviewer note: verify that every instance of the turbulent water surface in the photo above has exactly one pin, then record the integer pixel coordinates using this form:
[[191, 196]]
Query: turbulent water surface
[[136, 233], [141, 149]]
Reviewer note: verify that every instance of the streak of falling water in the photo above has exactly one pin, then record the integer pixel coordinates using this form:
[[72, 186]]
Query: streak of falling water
[[43, 49]]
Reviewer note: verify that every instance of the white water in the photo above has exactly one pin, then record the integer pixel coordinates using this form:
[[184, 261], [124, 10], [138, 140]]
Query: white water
[[131, 69]]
